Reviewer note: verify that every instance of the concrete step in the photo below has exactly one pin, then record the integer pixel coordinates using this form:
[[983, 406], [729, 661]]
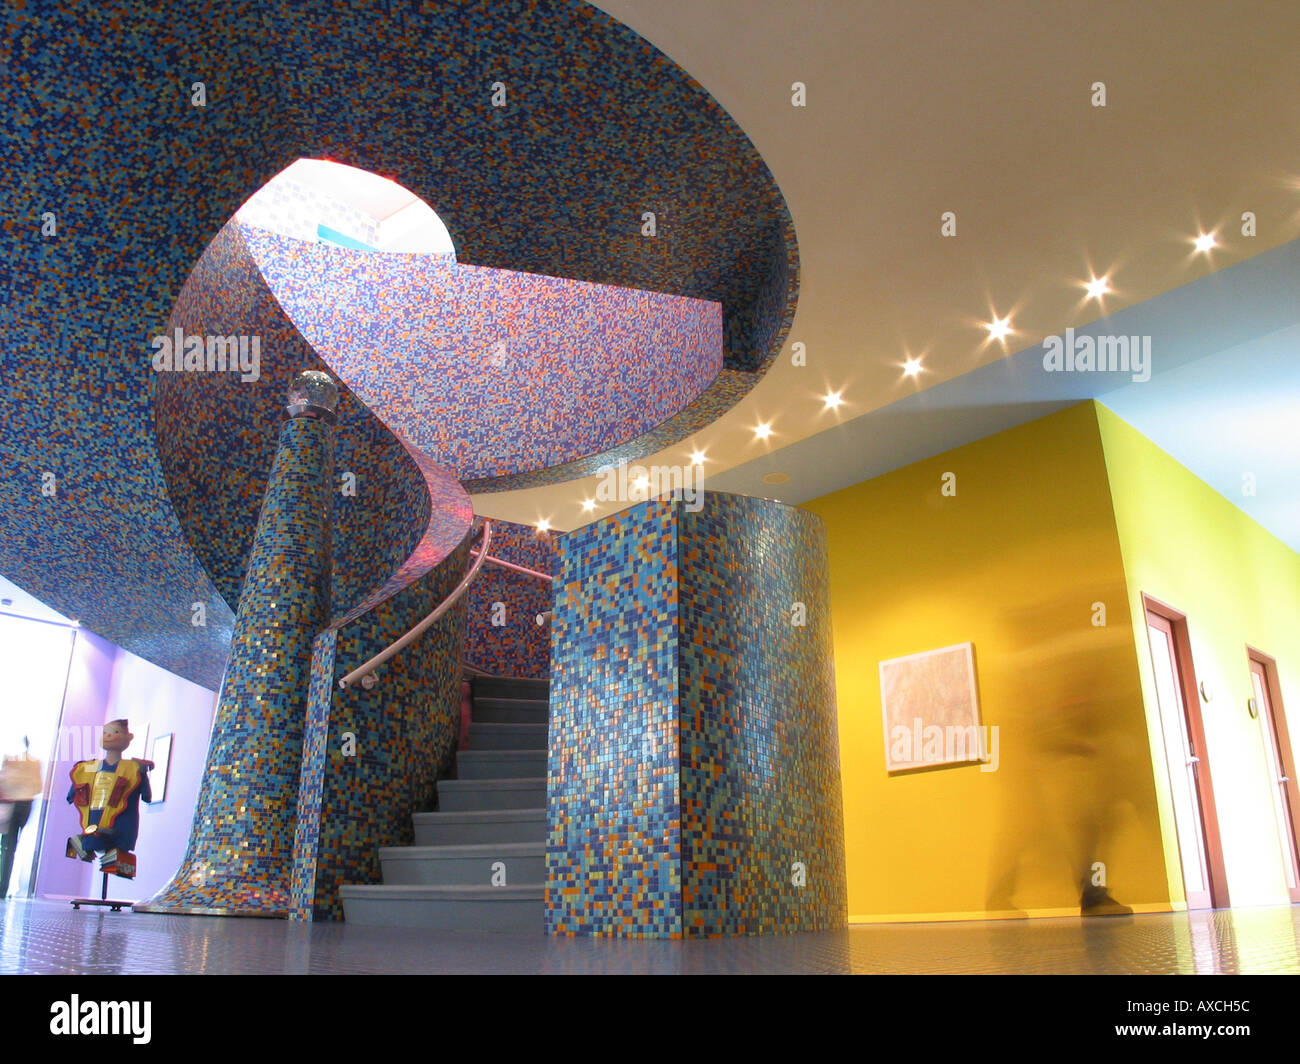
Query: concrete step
[[510, 687], [467, 795], [481, 826], [500, 764], [507, 736], [448, 866], [511, 711], [517, 908]]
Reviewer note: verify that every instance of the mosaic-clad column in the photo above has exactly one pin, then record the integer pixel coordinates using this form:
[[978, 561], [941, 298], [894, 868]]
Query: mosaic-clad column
[[240, 855], [693, 781]]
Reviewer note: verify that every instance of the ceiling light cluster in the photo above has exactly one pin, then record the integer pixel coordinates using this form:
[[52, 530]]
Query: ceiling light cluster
[[998, 329]]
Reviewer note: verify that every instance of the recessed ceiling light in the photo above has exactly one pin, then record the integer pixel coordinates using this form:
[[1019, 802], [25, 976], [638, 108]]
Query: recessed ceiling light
[[833, 400], [641, 482], [543, 524], [999, 328], [763, 431], [1204, 242], [698, 457], [588, 504], [1097, 287], [911, 367], [776, 478]]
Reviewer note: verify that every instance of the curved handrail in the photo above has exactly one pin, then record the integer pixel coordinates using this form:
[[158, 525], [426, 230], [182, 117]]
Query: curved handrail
[[516, 568], [367, 670]]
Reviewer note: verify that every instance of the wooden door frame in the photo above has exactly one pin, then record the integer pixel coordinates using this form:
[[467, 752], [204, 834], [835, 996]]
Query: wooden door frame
[[1282, 738], [1186, 675]]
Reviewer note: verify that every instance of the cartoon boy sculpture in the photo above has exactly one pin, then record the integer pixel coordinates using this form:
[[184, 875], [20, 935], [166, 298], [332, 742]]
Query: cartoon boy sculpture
[[107, 795]]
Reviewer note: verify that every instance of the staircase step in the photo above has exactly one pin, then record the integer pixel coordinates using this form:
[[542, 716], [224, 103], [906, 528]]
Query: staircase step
[[480, 826], [507, 736], [500, 764], [519, 908], [519, 862], [468, 795], [511, 711], [510, 687]]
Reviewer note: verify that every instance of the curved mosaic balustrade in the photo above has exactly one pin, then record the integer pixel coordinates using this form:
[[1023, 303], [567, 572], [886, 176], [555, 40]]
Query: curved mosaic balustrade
[[493, 372], [111, 196], [397, 514]]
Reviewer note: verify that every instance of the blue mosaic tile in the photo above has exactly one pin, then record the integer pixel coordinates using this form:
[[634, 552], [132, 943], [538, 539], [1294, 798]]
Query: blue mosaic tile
[[405, 730], [517, 646], [694, 786], [613, 850], [241, 846], [141, 181]]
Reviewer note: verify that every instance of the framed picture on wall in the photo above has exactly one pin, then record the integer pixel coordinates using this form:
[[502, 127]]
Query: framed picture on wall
[[930, 704], [160, 753]]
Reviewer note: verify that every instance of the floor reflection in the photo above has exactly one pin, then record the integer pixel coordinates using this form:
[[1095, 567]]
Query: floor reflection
[[47, 937]]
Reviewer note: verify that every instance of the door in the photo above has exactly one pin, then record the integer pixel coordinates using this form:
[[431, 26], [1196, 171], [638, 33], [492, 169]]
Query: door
[[1184, 745], [1281, 764]]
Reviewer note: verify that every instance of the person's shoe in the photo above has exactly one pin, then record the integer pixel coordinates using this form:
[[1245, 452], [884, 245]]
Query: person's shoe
[[1096, 901]]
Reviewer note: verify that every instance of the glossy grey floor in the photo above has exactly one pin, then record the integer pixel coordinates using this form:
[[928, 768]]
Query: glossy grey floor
[[49, 937]]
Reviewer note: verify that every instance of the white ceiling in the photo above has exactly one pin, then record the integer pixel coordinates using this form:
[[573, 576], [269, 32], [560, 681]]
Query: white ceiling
[[986, 110]]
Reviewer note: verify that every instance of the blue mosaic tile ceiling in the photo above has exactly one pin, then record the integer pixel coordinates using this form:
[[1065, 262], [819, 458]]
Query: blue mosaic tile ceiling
[[132, 134]]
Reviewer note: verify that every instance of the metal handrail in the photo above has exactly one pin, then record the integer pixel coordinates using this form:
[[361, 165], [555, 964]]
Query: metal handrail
[[367, 670], [516, 568]]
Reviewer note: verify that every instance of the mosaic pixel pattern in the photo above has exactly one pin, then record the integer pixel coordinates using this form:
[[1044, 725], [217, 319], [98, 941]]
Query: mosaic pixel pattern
[[405, 729], [760, 772], [493, 372], [613, 848], [519, 646], [240, 852], [396, 516], [694, 785], [139, 181], [311, 790]]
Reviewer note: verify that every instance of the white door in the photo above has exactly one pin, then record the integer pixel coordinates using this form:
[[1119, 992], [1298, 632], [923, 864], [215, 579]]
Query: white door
[[1182, 761]]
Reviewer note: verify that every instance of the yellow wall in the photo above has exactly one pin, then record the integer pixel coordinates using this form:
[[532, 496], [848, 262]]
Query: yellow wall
[[1186, 545], [1014, 563]]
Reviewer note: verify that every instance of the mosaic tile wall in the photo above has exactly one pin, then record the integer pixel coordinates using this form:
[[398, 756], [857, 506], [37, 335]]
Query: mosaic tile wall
[[396, 517], [613, 847], [694, 757], [760, 772], [405, 728], [584, 367], [240, 852], [139, 180], [520, 646], [311, 790]]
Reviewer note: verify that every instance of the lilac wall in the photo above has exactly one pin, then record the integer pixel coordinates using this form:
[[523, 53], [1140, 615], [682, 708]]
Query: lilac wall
[[104, 683], [160, 702], [90, 675]]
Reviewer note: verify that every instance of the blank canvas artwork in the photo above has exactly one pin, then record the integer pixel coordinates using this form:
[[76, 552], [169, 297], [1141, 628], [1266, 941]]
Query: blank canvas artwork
[[931, 710]]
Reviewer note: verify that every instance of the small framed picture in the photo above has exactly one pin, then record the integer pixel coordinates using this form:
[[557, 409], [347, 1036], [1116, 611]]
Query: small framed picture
[[160, 753], [931, 708]]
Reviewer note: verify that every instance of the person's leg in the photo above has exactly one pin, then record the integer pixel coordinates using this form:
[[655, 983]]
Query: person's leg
[[8, 842]]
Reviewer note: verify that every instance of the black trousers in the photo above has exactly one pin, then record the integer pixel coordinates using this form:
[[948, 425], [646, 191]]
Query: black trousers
[[18, 814]]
